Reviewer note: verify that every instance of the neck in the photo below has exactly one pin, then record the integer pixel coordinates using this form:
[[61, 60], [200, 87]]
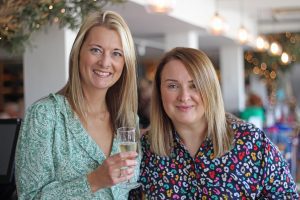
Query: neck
[[192, 137], [96, 102]]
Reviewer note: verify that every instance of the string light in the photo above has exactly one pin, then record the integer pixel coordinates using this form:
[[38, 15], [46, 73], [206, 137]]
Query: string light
[[285, 58], [275, 49], [56, 20], [262, 43]]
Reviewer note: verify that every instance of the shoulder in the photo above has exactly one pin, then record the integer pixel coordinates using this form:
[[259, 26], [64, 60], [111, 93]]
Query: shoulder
[[47, 104], [44, 110], [244, 131]]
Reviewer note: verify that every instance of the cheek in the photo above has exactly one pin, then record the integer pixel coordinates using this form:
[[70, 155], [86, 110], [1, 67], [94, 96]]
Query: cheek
[[167, 100], [120, 68]]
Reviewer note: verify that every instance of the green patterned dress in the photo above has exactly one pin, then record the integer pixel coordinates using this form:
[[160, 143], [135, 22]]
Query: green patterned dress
[[54, 154]]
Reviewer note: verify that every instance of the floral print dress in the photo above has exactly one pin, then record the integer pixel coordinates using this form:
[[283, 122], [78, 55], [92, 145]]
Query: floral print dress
[[253, 169]]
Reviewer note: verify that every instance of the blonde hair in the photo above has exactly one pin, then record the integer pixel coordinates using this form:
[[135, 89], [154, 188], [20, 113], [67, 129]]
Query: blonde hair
[[122, 96], [205, 78]]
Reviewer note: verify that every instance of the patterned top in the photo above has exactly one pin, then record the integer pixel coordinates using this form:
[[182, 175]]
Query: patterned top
[[54, 154], [252, 169]]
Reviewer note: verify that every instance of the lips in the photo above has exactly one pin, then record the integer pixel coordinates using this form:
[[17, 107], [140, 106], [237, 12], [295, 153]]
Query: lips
[[184, 108], [102, 74]]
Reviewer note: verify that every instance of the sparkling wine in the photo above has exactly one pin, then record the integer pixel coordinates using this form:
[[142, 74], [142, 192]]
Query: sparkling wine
[[128, 146]]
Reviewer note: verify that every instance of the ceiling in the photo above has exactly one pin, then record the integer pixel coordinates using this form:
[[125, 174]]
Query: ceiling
[[149, 29], [268, 16]]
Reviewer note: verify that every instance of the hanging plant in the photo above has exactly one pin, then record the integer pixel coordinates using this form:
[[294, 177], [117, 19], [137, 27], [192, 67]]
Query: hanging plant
[[20, 18]]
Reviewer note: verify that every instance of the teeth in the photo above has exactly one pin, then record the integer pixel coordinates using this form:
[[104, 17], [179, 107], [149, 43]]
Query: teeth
[[102, 74]]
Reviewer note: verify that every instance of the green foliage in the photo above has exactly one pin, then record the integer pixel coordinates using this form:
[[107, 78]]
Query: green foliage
[[290, 43], [19, 19]]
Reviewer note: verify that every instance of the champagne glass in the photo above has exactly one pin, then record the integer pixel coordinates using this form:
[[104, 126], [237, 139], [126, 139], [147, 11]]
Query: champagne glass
[[128, 142]]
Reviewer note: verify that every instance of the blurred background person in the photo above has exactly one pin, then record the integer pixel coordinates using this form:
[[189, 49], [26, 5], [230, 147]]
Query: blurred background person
[[144, 99], [11, 110], [254, 111]]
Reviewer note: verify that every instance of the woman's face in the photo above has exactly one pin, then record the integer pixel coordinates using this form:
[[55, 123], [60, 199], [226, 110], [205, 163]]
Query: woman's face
[[101, 59], [181, 100]]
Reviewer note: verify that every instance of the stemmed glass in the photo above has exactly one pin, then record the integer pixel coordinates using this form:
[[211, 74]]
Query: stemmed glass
[[128, 142]]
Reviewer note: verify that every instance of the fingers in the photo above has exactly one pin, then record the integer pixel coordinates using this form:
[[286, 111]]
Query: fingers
[[126, 173], [126, 159]]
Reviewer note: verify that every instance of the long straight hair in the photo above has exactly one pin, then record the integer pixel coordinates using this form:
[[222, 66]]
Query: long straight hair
[[205, 78], [121, 98]]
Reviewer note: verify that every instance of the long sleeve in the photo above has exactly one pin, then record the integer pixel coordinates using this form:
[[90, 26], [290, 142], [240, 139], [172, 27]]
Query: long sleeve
[[278, 182], [35, 165]]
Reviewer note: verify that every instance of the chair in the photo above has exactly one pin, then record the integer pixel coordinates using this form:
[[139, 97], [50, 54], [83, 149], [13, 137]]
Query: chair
[[9, 131]]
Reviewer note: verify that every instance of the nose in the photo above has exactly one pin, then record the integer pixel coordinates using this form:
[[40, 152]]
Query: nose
[[105, 60], [184, 95]]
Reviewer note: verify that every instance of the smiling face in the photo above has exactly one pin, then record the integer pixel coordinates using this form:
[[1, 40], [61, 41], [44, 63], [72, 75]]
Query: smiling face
[[180, 97], [101, 59]]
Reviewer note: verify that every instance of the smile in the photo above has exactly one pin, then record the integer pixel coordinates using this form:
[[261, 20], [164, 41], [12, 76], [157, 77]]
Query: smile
[[184, 108], [102, 74]]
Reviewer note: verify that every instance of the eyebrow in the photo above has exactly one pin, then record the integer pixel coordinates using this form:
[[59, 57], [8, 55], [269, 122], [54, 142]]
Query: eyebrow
[[173, 80], [97, 45]]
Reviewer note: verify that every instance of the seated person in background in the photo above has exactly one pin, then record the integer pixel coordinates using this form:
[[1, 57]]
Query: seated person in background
[[144, 97], [194, 150], [254, 112], [11, 110]]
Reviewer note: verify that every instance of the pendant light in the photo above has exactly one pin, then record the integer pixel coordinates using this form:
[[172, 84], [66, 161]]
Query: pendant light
[[160, 6], [218, 23]]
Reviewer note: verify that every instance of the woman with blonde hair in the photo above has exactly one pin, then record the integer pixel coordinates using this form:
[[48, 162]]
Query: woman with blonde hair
[[194, 150], [67, 147]]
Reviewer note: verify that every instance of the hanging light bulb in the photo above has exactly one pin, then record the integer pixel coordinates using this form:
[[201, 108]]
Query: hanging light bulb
[[243, 35], [160, 6], [285, 59], [242, 32], [217, 24], [275, 49], [261, 43]]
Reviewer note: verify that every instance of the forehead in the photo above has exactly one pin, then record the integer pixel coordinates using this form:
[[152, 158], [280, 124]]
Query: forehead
[[175, 69], [103, 33]]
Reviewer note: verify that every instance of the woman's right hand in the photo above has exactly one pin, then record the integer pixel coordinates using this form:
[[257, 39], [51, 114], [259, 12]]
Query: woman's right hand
[[112, 171]]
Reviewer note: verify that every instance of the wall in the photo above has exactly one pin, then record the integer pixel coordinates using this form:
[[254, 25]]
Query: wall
[[46, 63]]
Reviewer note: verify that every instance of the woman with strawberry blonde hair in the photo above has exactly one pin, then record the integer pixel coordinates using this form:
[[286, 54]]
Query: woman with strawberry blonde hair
[[194, 150]]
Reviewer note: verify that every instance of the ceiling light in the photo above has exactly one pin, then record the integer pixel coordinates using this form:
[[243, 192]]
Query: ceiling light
[[217, 24], [160, 6], [242, 32], [243, 35]]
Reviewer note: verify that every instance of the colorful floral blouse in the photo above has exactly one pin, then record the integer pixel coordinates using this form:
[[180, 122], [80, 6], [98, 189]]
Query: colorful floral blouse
[[252, 169]]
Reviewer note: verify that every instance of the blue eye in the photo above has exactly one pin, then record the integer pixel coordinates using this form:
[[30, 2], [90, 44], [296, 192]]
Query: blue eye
[[96, 50], [117, 53]]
